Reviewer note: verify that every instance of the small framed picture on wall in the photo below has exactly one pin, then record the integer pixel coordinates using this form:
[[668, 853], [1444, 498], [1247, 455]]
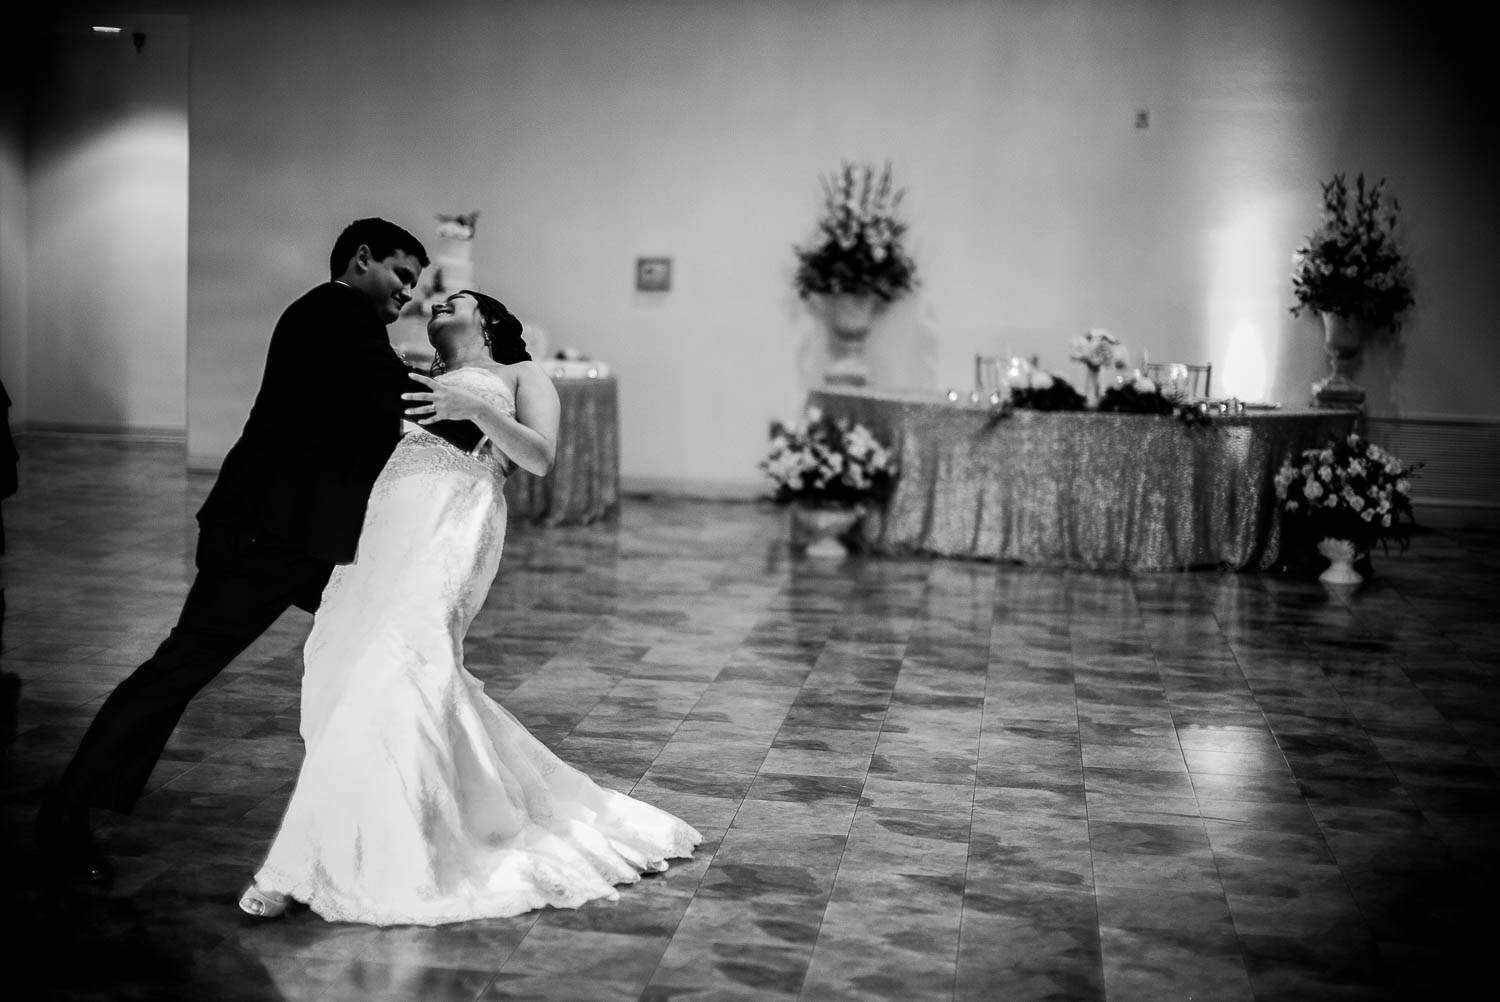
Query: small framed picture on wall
[[653, 274]]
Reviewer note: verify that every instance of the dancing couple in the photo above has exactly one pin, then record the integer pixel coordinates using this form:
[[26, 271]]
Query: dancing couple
[[420, 800]]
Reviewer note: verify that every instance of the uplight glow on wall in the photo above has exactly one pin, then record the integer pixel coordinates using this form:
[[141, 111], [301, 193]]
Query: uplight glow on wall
[[1243, 301], [1244, 364]]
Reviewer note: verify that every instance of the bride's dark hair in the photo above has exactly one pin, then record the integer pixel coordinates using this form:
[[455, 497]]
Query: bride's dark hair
[[506, 344]]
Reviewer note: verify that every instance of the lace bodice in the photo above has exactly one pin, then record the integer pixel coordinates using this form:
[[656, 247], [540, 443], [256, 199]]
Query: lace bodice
[[419, 448]]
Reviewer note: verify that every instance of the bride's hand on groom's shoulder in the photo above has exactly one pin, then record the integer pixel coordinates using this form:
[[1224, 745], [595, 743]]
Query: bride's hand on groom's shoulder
[[440, 402]]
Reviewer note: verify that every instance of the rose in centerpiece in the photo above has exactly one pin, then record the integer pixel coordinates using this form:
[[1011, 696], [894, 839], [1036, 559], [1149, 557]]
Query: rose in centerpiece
[[1351, 489], [1351, 265]]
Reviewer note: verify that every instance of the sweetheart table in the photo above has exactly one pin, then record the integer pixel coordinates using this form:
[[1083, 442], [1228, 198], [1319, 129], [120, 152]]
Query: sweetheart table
[[1080, 489]]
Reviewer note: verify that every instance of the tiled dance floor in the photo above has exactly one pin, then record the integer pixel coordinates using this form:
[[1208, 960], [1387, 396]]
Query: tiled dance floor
[[917, 779]]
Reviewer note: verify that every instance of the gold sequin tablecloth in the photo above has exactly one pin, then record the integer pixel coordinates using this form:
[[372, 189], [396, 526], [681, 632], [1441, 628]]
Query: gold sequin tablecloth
[[584, 484], [1086, 490]]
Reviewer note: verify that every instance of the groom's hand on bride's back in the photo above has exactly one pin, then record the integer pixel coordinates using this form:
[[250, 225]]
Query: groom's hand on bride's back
[[464, 434], [461, 432], [427, 399]]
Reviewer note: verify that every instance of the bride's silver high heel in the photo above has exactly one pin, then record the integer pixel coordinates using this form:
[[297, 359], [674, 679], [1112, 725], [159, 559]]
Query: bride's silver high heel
[[262, 904]]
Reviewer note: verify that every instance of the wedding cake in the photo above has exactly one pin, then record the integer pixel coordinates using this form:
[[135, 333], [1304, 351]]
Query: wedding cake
[[453, 261], [452, 270]]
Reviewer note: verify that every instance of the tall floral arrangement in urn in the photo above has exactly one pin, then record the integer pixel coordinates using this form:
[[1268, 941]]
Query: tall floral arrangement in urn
[[857, 249], [1351, 272], [1351, 264], [856, 262]]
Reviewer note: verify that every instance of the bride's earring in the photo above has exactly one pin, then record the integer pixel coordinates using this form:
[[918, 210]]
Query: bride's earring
[[487, 345]]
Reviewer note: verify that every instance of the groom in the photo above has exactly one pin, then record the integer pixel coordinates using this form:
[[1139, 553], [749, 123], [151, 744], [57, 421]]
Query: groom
[[288, 505]]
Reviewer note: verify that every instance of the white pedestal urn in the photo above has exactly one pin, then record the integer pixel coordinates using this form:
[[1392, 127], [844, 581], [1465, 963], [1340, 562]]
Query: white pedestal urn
[[820, 532], [1342, 338], [849, 319], [1340, 554]]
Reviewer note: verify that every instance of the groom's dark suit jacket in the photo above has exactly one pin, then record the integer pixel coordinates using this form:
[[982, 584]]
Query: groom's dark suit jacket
[[326, 419]]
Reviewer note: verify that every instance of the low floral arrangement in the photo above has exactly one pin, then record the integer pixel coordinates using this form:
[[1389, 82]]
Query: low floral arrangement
[[1136, 396], [1046, 392], [1351, 265], [1033, 389], [858, 246], [827, 462], [1351, 489], [1098, 349], [1141, 395]]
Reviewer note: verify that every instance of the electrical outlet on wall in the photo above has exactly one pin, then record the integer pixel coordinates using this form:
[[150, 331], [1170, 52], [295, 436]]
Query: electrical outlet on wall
[[1142, 118]]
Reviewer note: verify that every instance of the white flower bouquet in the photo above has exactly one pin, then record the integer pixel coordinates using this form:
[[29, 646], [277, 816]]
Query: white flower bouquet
[[1097, 348], [826, 462], [1350, 489]]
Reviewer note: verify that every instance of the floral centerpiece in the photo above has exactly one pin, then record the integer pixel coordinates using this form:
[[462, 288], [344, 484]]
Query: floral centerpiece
[[1097, 348], [1046, 392], [1350, 265], [827, 462], [858, 248], [1351, 491], [827, 469], [1031, 388], [1139, 395]]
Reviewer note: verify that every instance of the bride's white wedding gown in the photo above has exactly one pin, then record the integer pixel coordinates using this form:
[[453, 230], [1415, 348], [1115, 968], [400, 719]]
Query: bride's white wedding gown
[[421, 800]]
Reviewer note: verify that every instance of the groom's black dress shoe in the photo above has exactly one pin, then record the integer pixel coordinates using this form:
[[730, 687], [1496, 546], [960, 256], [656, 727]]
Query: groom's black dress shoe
[[67, 844]]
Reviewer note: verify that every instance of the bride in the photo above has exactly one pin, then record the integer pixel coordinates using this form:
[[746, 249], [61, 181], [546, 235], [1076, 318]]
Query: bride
[[421, 800]]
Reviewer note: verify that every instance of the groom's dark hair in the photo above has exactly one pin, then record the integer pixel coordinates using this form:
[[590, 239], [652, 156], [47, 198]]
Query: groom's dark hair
[[382, 236]]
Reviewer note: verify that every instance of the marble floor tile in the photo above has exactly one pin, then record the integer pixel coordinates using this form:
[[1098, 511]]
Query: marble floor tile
[[1152, 964], [917, 779]]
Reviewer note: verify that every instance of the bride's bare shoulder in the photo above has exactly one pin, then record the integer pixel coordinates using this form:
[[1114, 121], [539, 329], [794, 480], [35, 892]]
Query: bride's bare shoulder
[[525, 369]]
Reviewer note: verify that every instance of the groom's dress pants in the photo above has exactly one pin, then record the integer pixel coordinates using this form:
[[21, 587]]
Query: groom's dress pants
[[245, 581]]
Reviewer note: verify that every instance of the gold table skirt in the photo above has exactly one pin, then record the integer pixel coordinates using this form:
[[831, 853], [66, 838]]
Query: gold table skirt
[[1084, 490], [584, 484]]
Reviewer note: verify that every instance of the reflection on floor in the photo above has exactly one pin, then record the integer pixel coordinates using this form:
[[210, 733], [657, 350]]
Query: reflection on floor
[[918, 779]]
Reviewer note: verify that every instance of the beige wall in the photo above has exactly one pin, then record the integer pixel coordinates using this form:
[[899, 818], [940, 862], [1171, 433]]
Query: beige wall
[[13, 340], [588, 133], [106, 229]]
